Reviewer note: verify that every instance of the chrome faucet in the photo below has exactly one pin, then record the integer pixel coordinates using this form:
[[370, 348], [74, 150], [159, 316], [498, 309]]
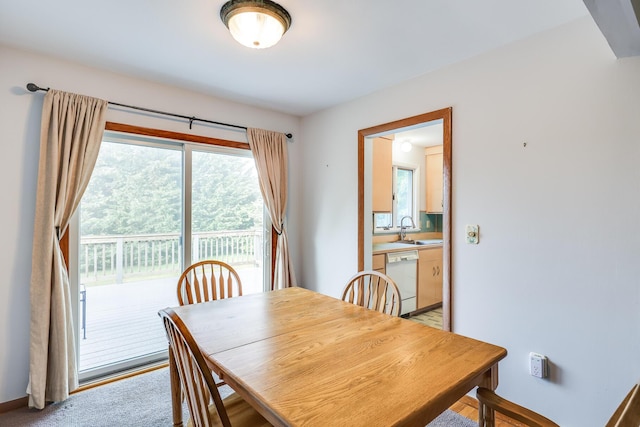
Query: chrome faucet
[[403, 229]]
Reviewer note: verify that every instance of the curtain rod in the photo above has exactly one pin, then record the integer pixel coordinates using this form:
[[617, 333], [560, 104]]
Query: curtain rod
[[32, 87]]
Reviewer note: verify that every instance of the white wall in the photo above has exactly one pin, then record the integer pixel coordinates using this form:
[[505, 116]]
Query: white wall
[[556, 270], [19, 148]]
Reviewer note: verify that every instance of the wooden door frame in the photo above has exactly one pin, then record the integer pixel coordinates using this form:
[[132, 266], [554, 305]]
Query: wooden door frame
[[445, 115]]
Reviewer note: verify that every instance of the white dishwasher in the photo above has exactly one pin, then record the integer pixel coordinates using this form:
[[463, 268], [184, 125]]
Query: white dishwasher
[[402, 267]]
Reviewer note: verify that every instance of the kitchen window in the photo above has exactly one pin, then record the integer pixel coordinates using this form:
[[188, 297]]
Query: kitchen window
[[403, 193], [404, 199]]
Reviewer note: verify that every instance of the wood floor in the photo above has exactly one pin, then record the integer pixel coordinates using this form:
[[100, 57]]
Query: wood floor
[[431, 318]]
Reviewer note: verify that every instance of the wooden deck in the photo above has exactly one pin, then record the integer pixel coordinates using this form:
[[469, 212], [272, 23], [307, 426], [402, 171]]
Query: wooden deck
[[122, 319]]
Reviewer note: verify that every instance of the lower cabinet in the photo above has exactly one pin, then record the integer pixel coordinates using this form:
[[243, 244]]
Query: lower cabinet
[[379, 263], [429, 277]]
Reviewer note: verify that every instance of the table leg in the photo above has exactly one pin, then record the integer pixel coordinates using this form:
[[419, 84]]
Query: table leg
[[486, 415], [176, 391]]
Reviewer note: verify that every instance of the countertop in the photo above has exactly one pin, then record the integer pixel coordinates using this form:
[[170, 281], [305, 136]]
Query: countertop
[[382, 248]]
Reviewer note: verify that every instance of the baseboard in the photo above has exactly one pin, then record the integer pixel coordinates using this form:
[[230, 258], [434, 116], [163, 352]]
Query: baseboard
[[425, 309], [14, 404]]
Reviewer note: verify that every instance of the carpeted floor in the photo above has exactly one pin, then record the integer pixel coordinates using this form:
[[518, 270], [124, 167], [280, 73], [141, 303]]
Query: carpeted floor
[[140, 401]]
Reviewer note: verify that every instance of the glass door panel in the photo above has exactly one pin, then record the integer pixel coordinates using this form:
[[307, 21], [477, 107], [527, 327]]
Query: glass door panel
[[129, 254], [227, 214]]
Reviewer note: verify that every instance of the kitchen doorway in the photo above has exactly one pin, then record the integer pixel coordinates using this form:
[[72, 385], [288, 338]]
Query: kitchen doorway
[[365, 217]]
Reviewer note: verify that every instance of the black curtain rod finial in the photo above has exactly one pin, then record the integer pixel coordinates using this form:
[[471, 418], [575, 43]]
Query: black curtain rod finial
[[32, 87]]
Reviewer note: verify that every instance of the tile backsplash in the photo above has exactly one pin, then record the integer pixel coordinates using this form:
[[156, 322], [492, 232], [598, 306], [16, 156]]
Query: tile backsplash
[[430, 222]]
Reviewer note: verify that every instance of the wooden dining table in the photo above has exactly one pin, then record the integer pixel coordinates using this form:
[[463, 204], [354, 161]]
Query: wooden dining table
[[302, 358]]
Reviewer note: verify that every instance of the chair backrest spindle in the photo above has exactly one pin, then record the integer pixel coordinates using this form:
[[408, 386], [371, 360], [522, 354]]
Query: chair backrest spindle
[[207, 281], [374, 290]]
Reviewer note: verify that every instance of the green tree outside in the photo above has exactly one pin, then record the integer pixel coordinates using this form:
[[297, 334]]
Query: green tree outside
[[138, 190]]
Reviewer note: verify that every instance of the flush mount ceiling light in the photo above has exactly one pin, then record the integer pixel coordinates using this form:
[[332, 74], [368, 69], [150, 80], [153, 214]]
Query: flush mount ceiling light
[[406, 146], [255, 23]]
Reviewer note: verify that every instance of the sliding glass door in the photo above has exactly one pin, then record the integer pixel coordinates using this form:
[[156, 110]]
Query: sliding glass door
[[151, 208]]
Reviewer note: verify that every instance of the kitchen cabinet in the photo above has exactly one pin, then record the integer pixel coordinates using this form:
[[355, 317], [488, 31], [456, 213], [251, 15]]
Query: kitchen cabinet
[[378, 263], [434, 179], [429, 277], [427, 274], [382, 172]]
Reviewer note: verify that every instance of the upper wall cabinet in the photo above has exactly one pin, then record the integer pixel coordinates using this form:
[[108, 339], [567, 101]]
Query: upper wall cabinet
[[433, 166], [382, 173]]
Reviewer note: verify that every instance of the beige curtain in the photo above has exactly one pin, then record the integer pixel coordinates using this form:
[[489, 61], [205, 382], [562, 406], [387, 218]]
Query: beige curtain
[[70, 136], [270, 153]]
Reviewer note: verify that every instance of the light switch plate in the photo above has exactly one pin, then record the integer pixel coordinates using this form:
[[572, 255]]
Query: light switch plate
[[473, 234]]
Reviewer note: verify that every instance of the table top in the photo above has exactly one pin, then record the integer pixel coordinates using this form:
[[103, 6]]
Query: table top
[[306, 359]]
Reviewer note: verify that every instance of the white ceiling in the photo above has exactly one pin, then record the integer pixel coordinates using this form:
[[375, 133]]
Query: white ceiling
[[335, 51], [423, 135]]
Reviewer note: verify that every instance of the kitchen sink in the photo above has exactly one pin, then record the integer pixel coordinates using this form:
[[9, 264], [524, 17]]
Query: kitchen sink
[[421, 242], [410, 242]]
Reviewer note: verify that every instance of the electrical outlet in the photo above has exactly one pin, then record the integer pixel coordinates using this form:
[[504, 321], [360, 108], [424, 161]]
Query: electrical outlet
[[538, 365]]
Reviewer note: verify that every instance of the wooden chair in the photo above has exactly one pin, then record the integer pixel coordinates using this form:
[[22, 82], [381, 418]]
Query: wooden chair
[[489, 401], [207, 281], [374, 290], [626, 415], [198, 385]]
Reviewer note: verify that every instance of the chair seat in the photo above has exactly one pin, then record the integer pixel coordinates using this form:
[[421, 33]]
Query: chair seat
[[240, 413]]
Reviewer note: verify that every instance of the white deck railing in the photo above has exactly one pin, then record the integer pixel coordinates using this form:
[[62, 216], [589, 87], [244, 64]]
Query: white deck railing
[[117, 258]]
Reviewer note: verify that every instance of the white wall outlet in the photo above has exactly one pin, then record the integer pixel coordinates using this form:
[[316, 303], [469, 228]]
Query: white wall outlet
[[538, 365], [472, 233]]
